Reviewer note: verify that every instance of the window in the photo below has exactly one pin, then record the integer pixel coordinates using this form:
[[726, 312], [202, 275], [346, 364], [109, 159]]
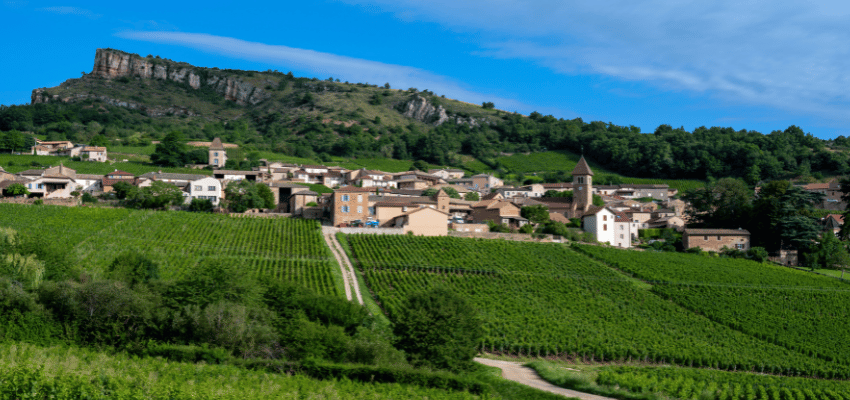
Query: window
[[622, 227], [211, 188], [199, 187], [40, 186], [344, 209], [215, 154], [604, 217], [360, 209], [345, 197], [359, 198], [371, 210], [215, 161], [621, 236], [739, 246], [604, 227], [705, 238], [718, 238]]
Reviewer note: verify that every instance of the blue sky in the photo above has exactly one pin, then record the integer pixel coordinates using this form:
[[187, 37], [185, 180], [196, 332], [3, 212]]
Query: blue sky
[[756, 65]]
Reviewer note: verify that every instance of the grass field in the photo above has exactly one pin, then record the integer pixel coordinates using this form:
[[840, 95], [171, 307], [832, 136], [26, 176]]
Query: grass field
[[18, 163]]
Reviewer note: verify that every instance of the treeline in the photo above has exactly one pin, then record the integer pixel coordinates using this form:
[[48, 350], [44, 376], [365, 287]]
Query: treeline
[[666, 153]]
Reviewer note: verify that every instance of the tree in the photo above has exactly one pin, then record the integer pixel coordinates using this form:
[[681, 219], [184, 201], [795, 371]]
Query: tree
[[171, 151], [488, 105], [266, 194], [243, 195], [133, 268], [99, 140], [471, 196], [720, 204], [201, 205], [157, 195], [123, 190], [537, 214], [16, 189], [438, 329], [828, 253]]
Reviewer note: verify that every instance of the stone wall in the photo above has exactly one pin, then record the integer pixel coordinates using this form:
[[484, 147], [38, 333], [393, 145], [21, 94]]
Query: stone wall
[[51, 202], [372, 231]]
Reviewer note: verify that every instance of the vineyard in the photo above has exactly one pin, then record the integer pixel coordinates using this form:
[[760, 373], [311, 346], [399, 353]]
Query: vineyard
[[546, 299], [30, 372], [287, 249], [689, 383], [801, 311]]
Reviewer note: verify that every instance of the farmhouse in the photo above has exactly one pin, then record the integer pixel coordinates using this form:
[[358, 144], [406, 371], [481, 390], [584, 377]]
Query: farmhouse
[[716, 239]]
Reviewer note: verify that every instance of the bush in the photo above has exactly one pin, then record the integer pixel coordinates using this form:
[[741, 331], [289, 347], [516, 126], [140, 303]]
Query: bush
[[438, 329], [88, 198], [201, 205]]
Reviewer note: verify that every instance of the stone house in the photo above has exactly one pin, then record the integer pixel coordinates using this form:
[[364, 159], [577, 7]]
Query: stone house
[[833, 223], [423, 221], [446, 174], [716, 239], [110, 179], [94, 153], [217, 154], [350, 204], [300, 201], [498, 212]]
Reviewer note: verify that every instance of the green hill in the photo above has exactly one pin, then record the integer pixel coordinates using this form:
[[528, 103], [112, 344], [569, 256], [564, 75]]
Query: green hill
[[280, 116]]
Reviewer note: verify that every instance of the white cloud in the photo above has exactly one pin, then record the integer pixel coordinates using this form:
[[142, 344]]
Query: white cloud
[[71, 11], [325, 65], [789, 55]]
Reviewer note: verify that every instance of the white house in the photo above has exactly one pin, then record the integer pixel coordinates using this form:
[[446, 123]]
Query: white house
[[609, 227], [207, 188]]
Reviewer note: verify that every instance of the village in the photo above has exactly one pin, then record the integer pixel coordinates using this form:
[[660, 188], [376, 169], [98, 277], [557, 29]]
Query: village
[[437, 202]]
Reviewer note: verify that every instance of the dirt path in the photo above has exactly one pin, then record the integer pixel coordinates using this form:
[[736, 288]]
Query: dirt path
[[514, 371], [348, 276]]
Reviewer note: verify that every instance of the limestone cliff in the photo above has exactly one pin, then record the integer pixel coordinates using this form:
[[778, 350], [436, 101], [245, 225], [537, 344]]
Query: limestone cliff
[[419, 108], [112, 64]]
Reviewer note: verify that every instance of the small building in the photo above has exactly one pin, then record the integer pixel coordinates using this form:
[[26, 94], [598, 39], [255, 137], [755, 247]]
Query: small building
[[608, 226], [350, 204], [833, 223], [110, 179], [206, 188], [423, 221], [716, 239], [94, 153], [218, 154]]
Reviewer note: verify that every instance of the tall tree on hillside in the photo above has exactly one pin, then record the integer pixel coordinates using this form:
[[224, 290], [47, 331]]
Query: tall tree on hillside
[[171, 151], [784, 214], [721, 204]]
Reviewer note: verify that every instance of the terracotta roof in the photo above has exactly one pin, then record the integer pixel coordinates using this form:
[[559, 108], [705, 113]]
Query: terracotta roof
[[619, 216], [421, 209], [837, 217], [305, 193], [94, 148], [491, 196], [89, 176], [286, 185], [119, 172], [403, 201], [717, 232], [176, 177], [582, 168], [32, 172], [816, 186], [557, 185], [593, 210], [314, 166], [558, 217], [216, 145]]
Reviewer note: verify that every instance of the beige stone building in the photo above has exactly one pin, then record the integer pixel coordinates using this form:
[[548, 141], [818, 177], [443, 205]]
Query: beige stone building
[[94, 153], [716, 239], [218, 154], [351, 204], [423, 221]]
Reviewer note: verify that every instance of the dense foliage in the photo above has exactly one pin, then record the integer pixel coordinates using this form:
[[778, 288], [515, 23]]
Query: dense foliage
[[544, 299]]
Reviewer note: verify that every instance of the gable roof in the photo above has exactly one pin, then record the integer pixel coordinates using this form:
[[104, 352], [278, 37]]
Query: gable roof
[[216, 144], [582, 168]]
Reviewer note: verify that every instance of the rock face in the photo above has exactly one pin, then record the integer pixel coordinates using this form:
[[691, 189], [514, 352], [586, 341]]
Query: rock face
[[420, 109], [112, 64], [39, 96]]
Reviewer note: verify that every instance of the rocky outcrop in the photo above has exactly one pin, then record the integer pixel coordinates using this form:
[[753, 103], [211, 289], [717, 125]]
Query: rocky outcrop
[[420, 109], [112, 64], [40, 96]]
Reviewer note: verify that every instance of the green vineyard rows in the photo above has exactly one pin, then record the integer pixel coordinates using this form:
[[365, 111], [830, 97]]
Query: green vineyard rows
[[546, 299], [689, 383], [801, 311], [30, 372], [287, 249]]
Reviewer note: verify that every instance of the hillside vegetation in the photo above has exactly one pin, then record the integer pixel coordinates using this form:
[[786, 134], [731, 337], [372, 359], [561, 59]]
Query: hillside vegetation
[[327, 120]]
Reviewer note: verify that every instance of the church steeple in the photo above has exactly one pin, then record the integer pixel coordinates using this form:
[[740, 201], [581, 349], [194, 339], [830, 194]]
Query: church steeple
[[582, 185]]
